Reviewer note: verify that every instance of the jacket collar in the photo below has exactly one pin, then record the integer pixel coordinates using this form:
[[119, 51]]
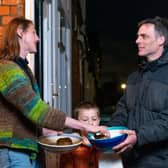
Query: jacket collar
[[152, 66]]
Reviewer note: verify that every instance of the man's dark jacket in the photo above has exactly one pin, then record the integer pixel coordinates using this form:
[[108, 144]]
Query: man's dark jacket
[[144, 108]]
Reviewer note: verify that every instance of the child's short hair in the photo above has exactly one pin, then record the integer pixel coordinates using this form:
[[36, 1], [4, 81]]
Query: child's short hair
[[85, 105]]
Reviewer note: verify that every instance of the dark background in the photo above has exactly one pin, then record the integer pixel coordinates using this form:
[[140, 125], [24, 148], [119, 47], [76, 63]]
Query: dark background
[[112, 27], [119, 18]]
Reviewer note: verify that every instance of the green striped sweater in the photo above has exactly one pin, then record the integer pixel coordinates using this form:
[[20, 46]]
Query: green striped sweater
[[22, 110]]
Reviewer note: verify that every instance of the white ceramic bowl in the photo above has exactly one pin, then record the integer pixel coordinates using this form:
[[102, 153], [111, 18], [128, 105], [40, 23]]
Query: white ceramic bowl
[[49, 142]]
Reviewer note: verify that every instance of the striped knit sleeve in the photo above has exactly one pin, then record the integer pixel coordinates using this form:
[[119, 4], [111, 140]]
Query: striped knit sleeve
[[16, 88]]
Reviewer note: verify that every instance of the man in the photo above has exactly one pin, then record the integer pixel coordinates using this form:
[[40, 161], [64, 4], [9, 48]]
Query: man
[[144, 106]]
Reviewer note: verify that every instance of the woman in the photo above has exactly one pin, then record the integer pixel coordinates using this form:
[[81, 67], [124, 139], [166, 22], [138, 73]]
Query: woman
[[22, 109]]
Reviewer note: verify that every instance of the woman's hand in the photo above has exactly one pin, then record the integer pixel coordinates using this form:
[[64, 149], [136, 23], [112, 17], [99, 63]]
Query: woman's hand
[[72, 123], [101, 129]]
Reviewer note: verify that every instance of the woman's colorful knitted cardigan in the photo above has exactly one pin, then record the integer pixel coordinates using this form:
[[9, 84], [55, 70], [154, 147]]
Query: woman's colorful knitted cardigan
[[21, 108]]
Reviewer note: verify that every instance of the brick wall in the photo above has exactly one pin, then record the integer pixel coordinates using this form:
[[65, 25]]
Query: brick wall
[[8, 10]]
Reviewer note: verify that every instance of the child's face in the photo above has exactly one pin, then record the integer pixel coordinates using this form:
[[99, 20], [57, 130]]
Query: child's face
[[89, 116]]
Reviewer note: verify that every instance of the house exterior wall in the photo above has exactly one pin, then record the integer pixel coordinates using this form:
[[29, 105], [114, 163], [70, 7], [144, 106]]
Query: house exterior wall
[[8, 10]]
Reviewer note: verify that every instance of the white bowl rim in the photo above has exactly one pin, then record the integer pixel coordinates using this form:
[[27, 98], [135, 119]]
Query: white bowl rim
[[112, 128]]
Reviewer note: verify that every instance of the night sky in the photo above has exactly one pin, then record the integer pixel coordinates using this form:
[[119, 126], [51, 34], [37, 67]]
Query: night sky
[[112, 25], [119, 18]]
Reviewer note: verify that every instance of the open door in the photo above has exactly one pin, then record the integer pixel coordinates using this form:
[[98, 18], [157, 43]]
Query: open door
[[54, 63]]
